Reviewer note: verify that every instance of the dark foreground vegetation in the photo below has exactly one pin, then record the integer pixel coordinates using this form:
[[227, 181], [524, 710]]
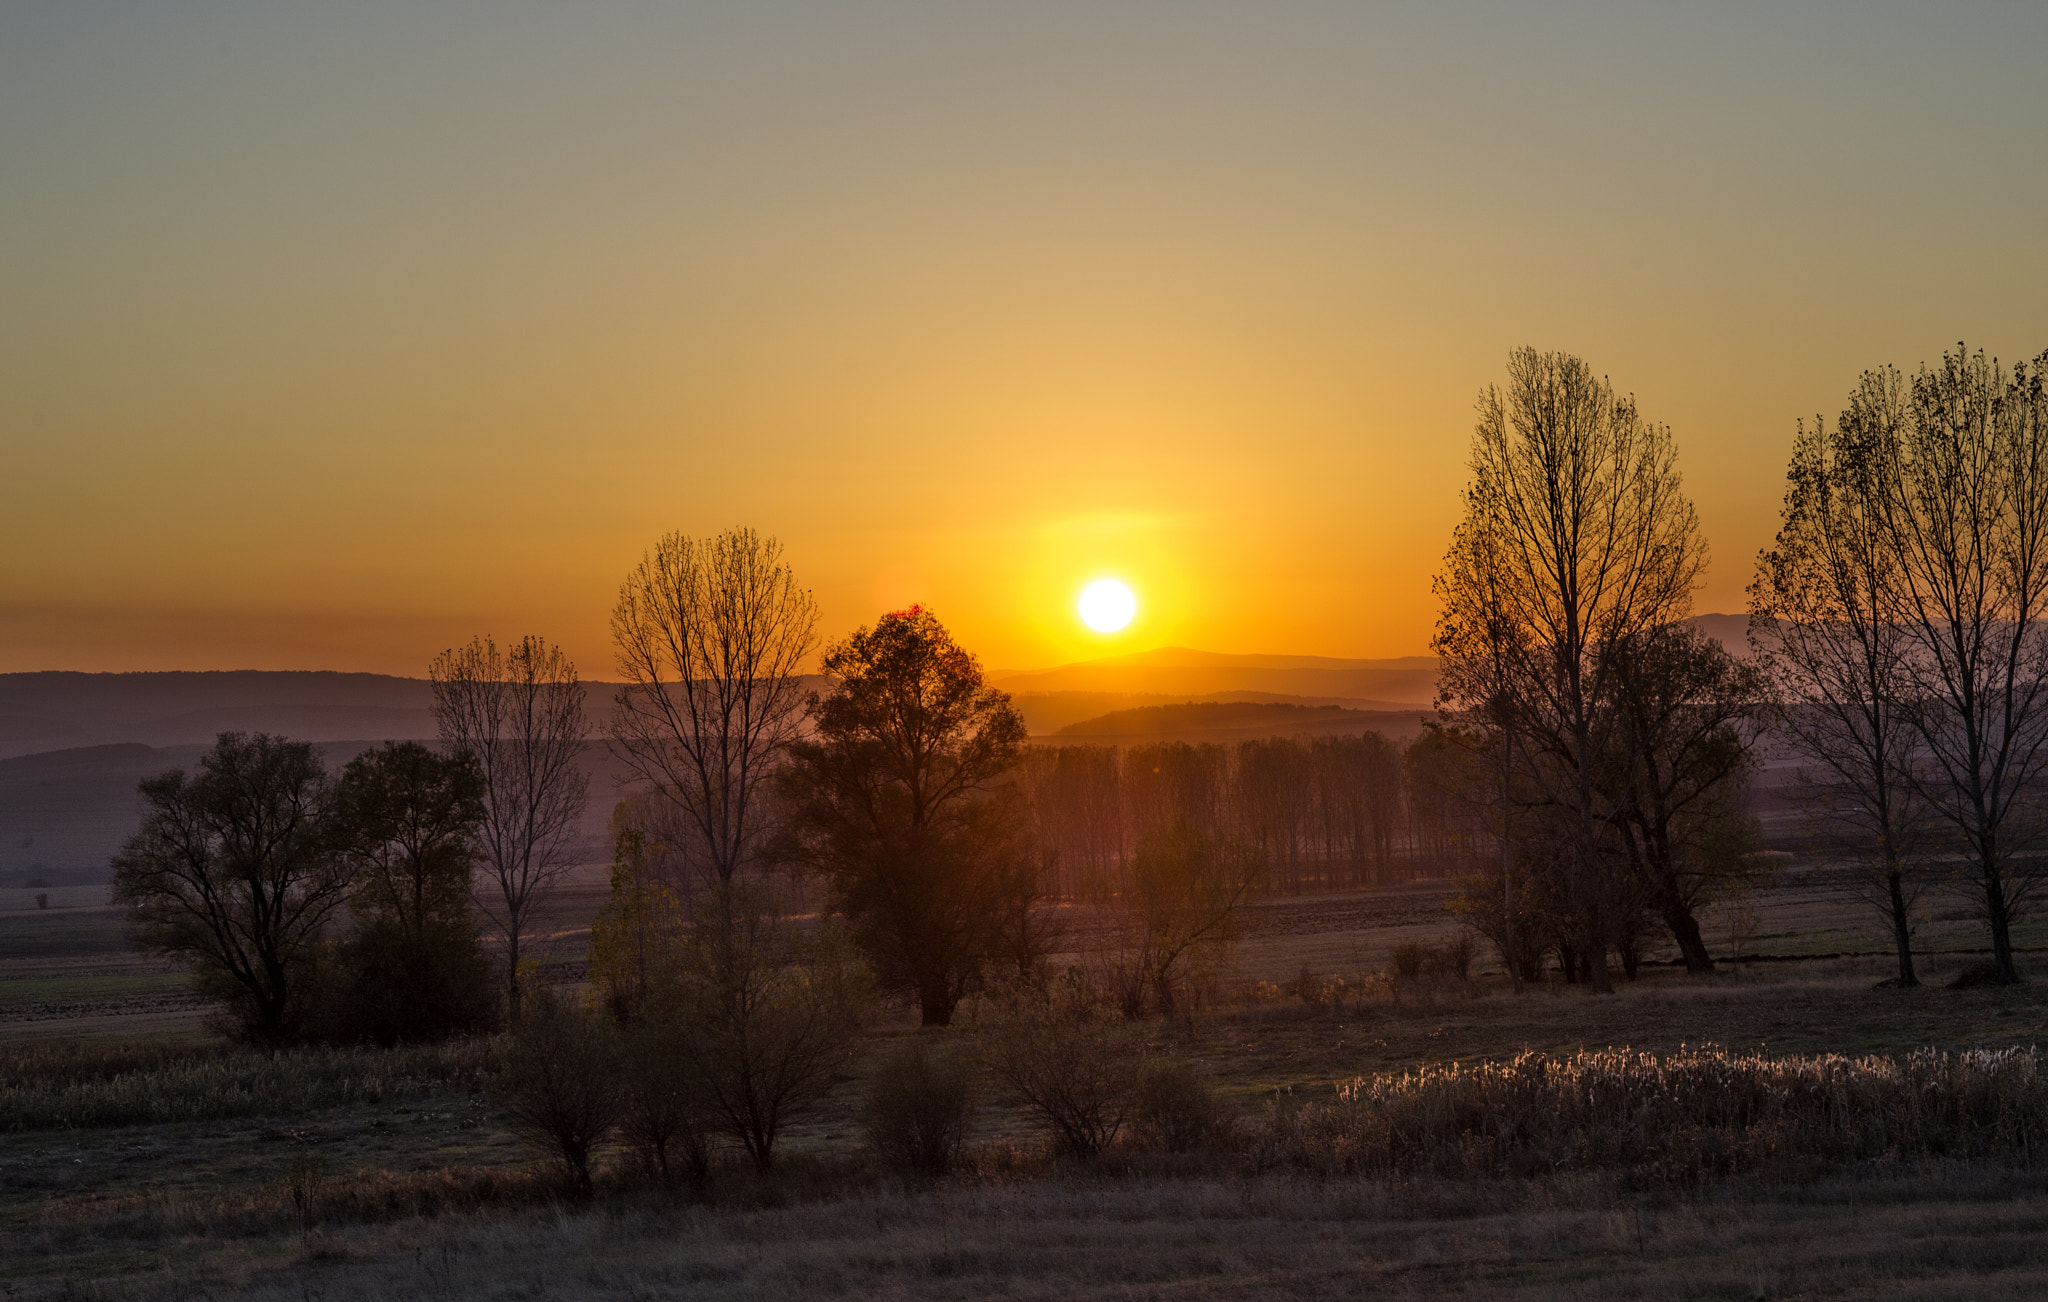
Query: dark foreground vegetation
[[1289, 1140]]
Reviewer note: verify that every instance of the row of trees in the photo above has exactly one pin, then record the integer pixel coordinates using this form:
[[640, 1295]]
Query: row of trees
[[243, 866], [1333, 813], [1899, 651], [1902, 618], [246, 868]]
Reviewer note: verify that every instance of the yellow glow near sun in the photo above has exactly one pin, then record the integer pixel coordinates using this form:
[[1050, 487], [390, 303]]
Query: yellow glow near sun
[[1107, 605]]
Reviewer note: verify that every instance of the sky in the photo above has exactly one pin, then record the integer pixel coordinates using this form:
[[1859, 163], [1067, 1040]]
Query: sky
[[332, 334]]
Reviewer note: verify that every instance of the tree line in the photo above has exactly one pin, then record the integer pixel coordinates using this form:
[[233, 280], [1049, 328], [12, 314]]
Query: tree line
[[1326, 813], [1898, 649], [1589, 774]]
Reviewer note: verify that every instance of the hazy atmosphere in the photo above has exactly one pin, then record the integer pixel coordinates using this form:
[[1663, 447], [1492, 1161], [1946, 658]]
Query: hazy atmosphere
[[921, 651], [333, 334]]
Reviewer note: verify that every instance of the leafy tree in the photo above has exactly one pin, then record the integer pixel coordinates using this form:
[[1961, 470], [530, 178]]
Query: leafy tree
[[236, 871], [899, 798], [636, 940], [1685, 728], [413, 970]]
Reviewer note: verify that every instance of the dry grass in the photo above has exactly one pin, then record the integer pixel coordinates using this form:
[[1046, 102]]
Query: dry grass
[[1928, 1232], [1680, 1116], [135, 1168], [59, 1085]]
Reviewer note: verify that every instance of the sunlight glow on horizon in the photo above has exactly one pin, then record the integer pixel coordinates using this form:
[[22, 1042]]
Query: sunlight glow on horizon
[[337, 335]]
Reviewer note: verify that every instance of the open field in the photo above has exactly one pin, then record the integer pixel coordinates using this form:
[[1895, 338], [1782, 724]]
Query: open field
[[67, 970], [140, 1158]]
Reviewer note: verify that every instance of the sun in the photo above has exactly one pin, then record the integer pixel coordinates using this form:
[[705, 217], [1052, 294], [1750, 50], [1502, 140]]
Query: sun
[[1107, 606]]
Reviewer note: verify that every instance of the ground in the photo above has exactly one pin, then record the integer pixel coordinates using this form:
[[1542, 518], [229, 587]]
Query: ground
[[410, 1183]]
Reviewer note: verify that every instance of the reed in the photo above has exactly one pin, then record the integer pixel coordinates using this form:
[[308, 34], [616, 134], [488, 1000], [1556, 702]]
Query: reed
[[55, 1086], [1686, 1114]]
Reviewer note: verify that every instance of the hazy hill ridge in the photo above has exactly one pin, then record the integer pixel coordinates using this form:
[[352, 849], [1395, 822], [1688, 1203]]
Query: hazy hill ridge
[[1227, 721]]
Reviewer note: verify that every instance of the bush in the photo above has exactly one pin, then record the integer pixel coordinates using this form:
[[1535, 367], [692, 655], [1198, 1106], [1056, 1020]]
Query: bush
[[387, 986], [663, 1108], [772, 1013], [1408, 960], [1176, 1110], [1064, 1062], [918, 1110], [1454, 956], [562, 1082]]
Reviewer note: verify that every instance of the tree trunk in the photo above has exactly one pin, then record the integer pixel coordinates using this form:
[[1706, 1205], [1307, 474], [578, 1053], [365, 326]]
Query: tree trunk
[[1902, 933], [512, 975], [1685, 929], [935, 1001], [2001, 926], [1596, 969]]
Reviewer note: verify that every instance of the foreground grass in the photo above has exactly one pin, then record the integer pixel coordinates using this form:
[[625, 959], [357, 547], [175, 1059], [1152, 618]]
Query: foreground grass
[[1929, 1232], [133, 1169]]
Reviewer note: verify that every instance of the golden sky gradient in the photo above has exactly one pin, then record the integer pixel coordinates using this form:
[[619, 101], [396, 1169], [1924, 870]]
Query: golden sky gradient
[[330, 335]]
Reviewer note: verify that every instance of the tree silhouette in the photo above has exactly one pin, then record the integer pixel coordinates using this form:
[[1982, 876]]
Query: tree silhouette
[[235, 871], [899, 800]]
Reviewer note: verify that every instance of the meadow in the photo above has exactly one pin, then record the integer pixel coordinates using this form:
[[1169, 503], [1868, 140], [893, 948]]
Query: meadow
[[141, 1156]]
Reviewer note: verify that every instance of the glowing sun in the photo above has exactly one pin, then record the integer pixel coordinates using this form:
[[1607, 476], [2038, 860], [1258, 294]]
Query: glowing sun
[[1107, 606]]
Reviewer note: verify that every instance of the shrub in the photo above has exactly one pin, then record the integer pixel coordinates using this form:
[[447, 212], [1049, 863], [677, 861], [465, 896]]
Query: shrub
[[663, 1106], [1408, 960], [391, 984], [1176, 1111], [918, 1110], [1060, 1057], [1317, 990], [1454, 956], [772, 1013], [562, 1082]]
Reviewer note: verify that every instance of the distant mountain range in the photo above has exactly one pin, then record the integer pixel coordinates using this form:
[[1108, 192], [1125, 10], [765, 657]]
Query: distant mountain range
[[1181, 674], [1053, 699], [73, 745], [51, 711], [1230, 721]]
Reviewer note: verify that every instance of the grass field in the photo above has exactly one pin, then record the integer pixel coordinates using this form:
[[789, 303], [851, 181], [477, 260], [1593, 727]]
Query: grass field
[[141, 1158]]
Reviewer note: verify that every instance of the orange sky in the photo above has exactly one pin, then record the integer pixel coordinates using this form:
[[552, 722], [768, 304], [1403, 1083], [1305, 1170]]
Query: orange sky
[[330, 338]]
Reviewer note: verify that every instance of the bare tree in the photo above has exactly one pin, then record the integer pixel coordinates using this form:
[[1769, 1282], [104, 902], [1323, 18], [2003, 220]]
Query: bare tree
[[711, 636], [770, 1013], [563, 1084], [519, 716], [1178, 907], [1478, 622], [1578, 499], [1826, 638], [1962, 482], [1686, 723]]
